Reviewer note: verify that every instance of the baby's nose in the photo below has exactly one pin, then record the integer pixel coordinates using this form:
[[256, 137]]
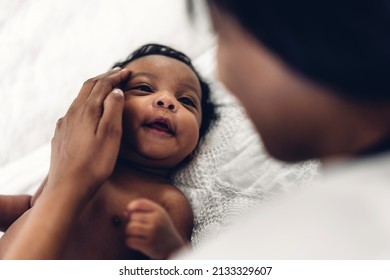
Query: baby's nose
[[166, 102]]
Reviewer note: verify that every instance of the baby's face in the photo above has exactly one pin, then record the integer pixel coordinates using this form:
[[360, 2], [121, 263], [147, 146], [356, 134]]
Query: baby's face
[[162, 113]]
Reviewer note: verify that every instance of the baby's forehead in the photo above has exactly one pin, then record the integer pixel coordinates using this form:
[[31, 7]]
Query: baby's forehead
[[157, 60], [162, 66]]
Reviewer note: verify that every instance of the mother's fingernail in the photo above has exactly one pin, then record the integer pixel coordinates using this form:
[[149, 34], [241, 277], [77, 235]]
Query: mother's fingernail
[[116, 68], [118, 91]]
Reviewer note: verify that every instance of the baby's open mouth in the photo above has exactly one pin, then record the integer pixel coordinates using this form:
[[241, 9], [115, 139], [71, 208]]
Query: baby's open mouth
[[162, 125]]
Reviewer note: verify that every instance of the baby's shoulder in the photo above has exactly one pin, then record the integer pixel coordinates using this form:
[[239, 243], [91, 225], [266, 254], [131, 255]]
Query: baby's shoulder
[[173, 200], [171, 193]]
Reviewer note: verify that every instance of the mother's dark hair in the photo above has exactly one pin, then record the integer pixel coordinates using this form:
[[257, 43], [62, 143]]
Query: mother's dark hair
[[342, 44]]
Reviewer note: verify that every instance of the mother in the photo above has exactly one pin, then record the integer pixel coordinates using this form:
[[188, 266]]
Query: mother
[[313, 76]]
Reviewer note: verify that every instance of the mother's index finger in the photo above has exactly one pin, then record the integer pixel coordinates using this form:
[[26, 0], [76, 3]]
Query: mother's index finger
[[105, 85], [87, 87]]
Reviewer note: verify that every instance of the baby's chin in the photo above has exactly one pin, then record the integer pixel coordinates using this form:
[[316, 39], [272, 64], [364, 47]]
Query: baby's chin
[[163, 163]]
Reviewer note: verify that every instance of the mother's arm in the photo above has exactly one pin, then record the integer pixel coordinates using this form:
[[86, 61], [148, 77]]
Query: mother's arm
[[11, 208], [84, 151]]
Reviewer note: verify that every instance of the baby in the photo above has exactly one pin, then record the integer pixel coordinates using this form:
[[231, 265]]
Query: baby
[[137, 213]]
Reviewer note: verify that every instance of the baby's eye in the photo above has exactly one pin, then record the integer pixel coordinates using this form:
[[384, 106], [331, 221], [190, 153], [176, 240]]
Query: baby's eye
[[187, 101], [145, 88]]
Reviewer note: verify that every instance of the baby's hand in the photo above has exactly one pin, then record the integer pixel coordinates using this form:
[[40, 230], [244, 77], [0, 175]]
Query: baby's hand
[[150, 229]]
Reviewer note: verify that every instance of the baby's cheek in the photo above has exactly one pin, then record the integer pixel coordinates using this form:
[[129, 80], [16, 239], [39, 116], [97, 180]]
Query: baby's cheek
[[193, 137]]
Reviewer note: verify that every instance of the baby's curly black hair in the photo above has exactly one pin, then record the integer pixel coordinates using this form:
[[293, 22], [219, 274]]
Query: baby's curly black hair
[[208, 108]]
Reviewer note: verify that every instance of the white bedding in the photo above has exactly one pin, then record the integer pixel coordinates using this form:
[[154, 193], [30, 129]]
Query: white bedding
[[49, 48]]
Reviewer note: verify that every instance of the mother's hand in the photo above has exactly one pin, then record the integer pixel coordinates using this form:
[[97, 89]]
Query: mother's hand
[[87, 139], [84, 151]]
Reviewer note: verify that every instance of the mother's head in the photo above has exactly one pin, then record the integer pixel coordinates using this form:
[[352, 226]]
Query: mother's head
[[313, 75]]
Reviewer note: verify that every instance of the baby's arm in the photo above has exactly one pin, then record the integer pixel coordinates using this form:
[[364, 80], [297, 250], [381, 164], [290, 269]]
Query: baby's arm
[[11, 208], [154, 231]]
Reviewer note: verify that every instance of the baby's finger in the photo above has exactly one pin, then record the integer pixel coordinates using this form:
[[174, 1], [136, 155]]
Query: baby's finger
[[142, 204], [139, 217], [136, 229]]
